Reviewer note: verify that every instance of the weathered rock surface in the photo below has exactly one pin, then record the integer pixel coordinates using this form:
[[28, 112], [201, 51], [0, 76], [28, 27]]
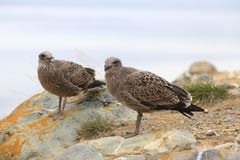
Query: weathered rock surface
[[229, 146], [234, 91], [202, 67], [156, 142], [80, 152], [131, 157], [238, 139], [202, 71], [227, 151], [31, 133], [206, 155]]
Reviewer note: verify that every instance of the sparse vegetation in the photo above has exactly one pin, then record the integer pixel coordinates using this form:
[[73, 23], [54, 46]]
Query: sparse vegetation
[[207, 93], [95, 125]]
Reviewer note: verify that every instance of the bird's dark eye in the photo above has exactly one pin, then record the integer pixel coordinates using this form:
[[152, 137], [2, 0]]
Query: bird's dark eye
[[42, 55], [115, 62]]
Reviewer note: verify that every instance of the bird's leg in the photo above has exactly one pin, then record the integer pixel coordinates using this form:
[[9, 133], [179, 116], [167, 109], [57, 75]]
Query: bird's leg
[[138, 122], [59, 115], [59, 105], [64, 103], [136, 132]]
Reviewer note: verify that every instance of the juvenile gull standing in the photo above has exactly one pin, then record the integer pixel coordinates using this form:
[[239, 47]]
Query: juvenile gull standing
[[64, 78], [144, 91]]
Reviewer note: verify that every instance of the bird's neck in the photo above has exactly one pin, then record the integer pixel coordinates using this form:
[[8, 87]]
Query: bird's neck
[[113, 76], [44, 65]]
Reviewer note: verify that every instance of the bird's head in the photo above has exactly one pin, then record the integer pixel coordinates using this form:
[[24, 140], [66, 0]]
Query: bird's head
[[112, 63], [45, 56]]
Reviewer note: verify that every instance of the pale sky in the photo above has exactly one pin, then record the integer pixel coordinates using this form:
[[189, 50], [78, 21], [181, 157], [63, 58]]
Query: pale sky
[[164, 37]]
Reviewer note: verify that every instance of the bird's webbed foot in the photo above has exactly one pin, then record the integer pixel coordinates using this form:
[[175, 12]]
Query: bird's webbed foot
[[58, 116], [130, 134]]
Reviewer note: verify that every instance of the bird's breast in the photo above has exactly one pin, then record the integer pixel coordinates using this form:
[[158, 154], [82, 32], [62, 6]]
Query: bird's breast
[[113, 84], [46, 77]]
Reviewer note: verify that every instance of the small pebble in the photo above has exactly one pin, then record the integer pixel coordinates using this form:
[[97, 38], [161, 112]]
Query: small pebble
[[210, 133], [238, 139]]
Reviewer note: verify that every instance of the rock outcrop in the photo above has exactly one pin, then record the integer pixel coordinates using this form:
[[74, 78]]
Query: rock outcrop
[[202, 71], [131, 157], [80, 152], [205, 155], [152, 143], [202, 67], [31, 133]]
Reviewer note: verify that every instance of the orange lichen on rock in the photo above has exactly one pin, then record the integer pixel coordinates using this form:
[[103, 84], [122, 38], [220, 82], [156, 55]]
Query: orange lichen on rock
[[11, 146], [10, 149], [39, 124], [69, 111], [18, 112], [42, 125]]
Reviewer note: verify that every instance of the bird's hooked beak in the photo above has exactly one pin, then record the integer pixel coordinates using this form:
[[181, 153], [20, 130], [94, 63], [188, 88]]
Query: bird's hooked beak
[[50, 58], [106, 67]]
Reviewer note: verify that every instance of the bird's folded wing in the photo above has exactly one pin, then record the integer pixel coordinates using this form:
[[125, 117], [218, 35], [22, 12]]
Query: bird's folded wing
[[183, 95], [73, 72], [65, 83], [148, 87]]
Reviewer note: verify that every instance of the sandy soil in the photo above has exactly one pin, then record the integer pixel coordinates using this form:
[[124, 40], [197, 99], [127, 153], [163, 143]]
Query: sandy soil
[[223, 119]]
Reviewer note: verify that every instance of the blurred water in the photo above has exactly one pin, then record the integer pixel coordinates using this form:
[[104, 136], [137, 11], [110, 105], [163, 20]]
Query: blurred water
[[164, 41]]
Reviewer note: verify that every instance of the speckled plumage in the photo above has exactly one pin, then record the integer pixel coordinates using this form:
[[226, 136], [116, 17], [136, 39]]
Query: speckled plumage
[[144, 91], [63, 78], [143, 86]]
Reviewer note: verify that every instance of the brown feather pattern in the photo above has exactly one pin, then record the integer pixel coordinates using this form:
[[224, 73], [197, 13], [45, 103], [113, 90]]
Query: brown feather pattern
[[64, 78]]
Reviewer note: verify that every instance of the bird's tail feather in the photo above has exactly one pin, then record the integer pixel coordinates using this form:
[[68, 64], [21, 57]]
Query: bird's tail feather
[[187, 111], [183, 109], [195, 108], [96, 83]]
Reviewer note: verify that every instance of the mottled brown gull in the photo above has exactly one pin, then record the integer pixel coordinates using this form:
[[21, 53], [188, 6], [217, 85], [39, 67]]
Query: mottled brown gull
[[144, 91], [64, 78]]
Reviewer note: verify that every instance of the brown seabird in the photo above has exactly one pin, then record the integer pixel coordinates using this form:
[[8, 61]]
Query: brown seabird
[[144, 91], [64, 78]]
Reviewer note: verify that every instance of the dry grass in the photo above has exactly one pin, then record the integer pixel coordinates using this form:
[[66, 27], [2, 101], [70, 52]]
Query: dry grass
[[207, 93], [95, 125]]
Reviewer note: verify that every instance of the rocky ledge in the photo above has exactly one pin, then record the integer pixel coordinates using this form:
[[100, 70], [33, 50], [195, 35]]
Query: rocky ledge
[[31, 133]]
